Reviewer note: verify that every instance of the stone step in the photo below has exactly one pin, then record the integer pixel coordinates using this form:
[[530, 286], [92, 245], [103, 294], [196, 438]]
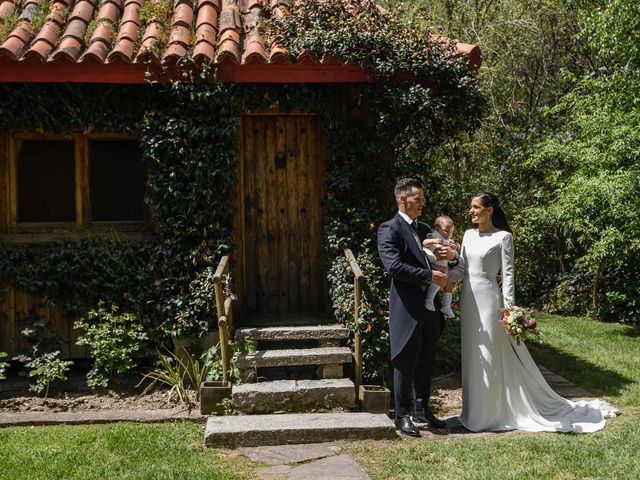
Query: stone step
[[312, 332], [294, 395], [295, 428], [295, 357]]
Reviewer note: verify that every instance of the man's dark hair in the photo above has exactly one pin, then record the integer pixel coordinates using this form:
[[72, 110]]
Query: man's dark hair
[[404, 186]]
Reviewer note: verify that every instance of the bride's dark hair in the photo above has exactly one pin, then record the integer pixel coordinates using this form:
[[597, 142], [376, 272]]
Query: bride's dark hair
[[498, 218]]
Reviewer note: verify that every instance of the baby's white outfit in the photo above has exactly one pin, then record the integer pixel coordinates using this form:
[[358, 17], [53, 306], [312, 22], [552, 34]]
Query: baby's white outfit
[[447, 297]]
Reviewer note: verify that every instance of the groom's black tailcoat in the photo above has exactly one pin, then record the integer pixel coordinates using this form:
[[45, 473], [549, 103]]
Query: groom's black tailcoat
[[413, 329]]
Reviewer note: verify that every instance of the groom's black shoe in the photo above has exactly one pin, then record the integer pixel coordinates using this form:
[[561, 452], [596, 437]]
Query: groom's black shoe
[[406, 426], [425, 416]]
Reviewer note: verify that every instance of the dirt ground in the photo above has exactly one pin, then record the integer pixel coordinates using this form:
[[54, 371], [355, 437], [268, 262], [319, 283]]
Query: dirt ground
[[124, 394], [74, 396]]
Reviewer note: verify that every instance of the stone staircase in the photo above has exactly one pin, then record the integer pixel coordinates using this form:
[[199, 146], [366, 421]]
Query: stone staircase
[[296, 389], [294, 369]]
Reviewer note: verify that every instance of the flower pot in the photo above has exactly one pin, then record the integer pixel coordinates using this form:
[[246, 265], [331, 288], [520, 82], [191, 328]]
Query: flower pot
[[374, 399], [211, 396]]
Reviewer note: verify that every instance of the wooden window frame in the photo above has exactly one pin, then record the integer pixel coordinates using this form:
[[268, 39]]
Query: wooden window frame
[[36, 232]]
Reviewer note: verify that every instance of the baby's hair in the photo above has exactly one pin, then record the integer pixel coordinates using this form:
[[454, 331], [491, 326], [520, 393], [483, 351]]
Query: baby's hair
[[443, 218]]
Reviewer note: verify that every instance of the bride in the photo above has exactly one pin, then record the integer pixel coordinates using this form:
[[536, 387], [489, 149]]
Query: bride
[[502, 388]]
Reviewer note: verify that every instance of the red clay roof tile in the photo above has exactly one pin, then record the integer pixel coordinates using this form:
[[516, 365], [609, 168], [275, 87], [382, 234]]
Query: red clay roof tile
[[131, 13], [70, 48], [203, 52], [97, 51], [17, 41], [207, 15], [103, 32], [183, 13], [112, 31], [279, 55], [207, 33], [254, 52], [49, 33], [214, 3], [229, 47], [6, 8], [148, 49], [180, 34], [306, 58], [109, 11], [230, 18], [122, 51], [40, 50], [128, 31]]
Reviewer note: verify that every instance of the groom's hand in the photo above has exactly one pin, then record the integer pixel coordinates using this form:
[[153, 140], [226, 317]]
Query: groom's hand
[[439, 278]]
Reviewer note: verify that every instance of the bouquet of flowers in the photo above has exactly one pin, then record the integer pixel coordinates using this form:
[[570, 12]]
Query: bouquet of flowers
[[518, 322]]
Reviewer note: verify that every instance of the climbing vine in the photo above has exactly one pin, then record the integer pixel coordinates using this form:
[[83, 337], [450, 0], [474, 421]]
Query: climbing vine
[[374, 133]]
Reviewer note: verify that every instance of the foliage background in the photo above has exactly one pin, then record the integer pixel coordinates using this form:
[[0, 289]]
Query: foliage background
[[551, 127], [558, 144], [188, 130]]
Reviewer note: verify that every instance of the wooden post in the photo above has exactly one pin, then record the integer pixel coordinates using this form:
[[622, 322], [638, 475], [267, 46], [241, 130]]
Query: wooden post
[[357, 338], [223, 267], [224, 354]]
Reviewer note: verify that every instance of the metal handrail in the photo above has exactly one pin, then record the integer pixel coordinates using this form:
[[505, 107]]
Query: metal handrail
[[357, 340], [225, 315]]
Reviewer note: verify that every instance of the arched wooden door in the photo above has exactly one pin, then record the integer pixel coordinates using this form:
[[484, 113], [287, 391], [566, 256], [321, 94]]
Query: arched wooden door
[[279, 236]]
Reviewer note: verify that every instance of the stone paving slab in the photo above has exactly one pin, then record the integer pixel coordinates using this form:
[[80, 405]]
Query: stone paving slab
[[341, 467], [311, 332], [295, 357], [294, 395], [562, 386], [283, 454], [97, 416], [293, 428]]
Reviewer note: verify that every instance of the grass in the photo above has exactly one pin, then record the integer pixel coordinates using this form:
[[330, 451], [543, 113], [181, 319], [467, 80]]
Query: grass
[[118, 451], [603, 358], [600, 357]]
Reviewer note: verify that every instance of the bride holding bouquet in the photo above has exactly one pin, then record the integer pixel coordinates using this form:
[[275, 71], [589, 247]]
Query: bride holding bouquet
[[502, 388]]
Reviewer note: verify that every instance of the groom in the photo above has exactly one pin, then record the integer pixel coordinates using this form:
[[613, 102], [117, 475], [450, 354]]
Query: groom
[[413, 329]]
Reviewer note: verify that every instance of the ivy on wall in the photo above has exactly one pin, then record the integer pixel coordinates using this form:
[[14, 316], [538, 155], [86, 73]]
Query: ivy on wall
[[189, 154], [374, 134], [423, 96]]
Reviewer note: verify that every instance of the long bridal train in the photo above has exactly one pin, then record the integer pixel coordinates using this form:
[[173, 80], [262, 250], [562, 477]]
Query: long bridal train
[[502, 388]]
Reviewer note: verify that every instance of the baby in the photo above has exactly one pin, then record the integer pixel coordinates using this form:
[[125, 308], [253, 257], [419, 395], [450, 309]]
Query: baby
[[440, 236]]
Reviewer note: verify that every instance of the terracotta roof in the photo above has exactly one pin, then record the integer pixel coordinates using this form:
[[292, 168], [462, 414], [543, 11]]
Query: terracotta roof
[[139, 33]]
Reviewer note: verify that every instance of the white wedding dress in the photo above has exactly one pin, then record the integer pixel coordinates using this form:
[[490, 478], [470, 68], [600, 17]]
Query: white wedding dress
[[502, 388]]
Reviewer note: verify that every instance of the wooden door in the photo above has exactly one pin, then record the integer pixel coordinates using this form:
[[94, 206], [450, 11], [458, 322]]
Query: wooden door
[[281, 186]]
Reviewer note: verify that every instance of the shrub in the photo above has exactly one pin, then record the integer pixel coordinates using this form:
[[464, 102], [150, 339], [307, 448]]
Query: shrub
[[46, 369], [112, 340], [3, 366], [185, 371]]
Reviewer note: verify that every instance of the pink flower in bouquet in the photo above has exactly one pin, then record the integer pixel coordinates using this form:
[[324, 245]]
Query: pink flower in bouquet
[[517, 322]]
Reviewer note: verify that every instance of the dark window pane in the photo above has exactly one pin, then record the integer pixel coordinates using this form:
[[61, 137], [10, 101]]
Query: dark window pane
[[46, 182], [117, 181]]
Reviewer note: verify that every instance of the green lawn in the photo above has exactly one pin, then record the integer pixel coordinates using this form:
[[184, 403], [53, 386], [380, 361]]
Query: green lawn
[[114, 452], [604, 358]]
